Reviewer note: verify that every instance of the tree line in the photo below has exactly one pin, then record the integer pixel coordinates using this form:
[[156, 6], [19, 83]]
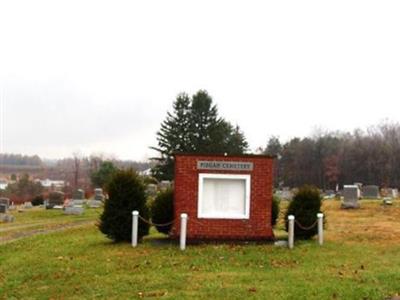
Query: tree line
[[370, 156], [19, 160], [326, 160]]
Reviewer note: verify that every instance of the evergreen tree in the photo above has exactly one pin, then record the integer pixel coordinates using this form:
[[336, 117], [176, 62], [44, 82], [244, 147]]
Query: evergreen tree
[[126, 194], [205, 125], [194, 126], [173, 136], [305, 206], [162, 210]]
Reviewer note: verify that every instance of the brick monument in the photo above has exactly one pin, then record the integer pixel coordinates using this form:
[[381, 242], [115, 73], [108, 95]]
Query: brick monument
[[226, 197]]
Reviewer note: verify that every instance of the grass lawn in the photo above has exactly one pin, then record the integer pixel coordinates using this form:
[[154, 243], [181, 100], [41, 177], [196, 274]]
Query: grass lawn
[[38, 220], [359, 260]]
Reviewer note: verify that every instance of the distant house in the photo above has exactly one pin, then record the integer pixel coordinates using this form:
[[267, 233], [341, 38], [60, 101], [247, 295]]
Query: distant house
[[56, 184], [146, 172], [3, 184]]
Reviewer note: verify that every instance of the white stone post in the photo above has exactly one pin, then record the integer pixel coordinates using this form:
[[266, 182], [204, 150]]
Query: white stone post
[[135, 219], [291, 231], [184, 218], [320, 217]]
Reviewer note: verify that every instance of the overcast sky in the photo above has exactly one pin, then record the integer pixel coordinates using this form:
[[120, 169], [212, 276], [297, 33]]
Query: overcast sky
[[99, 76]]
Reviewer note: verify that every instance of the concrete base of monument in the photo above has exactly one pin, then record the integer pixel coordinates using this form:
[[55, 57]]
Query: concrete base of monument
[[206, 237], [349, 205], [230, 240]]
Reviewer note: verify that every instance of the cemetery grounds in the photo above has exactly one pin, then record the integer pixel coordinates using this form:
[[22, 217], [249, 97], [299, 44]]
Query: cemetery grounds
[[49, 255]]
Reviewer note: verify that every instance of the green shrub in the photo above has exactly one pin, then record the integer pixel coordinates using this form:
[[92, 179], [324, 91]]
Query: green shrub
[[162, 210], [37, 200], [305, 205], [275, 210], [149, 180], [126, 193]]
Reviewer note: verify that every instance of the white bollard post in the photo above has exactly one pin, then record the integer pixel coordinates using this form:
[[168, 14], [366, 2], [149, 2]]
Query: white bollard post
[[320, 217], [184, 218], [291, 231], [135, 219]]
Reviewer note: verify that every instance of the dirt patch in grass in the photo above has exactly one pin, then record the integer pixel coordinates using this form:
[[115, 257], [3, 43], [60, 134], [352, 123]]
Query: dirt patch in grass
[[48, 228]]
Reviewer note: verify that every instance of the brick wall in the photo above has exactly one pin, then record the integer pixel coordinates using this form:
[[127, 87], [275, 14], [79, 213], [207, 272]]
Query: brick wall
[[257, 227]]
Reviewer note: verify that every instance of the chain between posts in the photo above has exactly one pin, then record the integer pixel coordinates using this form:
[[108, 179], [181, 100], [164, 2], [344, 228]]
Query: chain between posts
[[306, 227], [155, 224]]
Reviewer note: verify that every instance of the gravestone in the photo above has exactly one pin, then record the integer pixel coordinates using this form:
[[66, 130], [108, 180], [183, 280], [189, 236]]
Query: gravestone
[[78, 198], [395, 193], [151, 189], [387, 201], [74, 210], [6, 218], [77, 202], [329, 194], [94, 203], [391, 193], [28, 205], [370, 192], [351, 194], [5, 201], [3, 208], [55, 199], [286, 194], [98, 194], [79, 194], [164, 185]]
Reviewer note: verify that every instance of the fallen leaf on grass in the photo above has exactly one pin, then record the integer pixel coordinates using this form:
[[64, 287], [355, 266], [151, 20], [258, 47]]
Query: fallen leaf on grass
[[155, 294], [283, 263], [152, 294]]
